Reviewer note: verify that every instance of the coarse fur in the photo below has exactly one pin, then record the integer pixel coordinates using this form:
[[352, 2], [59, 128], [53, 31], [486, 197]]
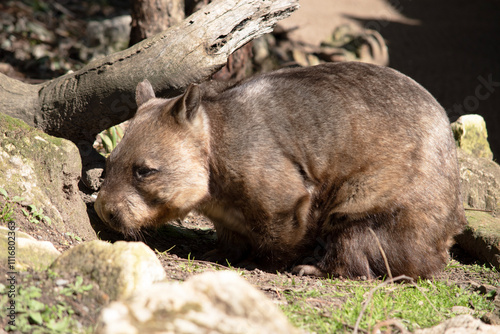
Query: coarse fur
[[314, 166]]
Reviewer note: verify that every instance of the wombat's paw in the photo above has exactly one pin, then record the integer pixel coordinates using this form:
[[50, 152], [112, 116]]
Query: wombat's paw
[[309, 270]]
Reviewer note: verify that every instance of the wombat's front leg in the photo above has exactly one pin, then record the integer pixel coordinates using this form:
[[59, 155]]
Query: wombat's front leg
[[232, 247]]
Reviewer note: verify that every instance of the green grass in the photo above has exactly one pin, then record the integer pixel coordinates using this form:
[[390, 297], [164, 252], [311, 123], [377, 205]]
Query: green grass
[[190, 265], [337, 305], [7, 208], [485, 268], [76, 288], [33, 214]]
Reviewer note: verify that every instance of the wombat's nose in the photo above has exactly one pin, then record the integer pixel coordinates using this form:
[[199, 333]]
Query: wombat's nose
[[103, 213]]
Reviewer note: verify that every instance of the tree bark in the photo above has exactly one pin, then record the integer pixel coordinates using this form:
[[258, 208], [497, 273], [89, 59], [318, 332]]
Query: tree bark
[[150, 17], [79, 105]]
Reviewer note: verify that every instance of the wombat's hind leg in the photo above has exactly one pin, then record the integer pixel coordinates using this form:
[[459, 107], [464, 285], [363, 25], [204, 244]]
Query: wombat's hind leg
[[400, 242]]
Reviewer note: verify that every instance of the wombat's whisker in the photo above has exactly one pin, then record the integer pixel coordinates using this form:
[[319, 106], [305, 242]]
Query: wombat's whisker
[[140, 236]]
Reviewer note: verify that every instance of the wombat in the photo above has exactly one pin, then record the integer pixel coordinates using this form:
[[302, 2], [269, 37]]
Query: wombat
[[344, 169]]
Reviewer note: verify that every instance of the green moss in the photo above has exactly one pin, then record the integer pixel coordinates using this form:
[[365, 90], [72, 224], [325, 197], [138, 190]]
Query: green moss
[[30, 253], [12, 124], [484, 224], [20, 139]]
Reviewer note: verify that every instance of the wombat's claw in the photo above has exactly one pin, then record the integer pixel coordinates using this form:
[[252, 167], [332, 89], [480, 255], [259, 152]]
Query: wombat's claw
[[308, 270]]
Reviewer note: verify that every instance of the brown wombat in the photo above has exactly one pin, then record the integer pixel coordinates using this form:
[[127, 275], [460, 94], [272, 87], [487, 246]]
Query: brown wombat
[[332, 167]]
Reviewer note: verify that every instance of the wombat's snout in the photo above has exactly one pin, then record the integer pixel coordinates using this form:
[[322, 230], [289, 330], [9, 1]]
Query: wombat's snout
[[105, 212], [114, 211]]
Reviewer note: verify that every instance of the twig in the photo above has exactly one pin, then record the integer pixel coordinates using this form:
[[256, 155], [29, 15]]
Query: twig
[[370, 296], [480, 210], [382, 252], [353, 328]]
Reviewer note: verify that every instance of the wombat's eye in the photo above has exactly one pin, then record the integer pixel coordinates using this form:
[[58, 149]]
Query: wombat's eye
[[141, 172]]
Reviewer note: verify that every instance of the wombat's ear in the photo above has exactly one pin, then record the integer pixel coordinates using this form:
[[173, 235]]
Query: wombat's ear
[[144, 92], [186, 107]]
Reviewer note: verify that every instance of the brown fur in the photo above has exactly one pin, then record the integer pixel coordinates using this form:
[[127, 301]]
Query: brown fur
[[297, 165]]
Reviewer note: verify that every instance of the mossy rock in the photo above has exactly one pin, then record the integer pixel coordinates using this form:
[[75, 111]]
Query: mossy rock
[[44, 171], [481, 237], [121, 269], [479, 181], [471, 136]]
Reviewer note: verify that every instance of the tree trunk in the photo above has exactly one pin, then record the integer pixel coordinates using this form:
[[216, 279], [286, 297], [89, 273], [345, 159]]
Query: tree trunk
[[150, 17], [79, 105]]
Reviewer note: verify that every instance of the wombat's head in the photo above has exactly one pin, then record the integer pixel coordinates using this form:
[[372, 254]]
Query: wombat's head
[[159, 171]]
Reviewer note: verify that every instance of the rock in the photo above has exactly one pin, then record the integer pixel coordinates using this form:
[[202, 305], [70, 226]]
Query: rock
[[463, 324], [492, 293], [28, 252], [471, 136], [480, 182], [120, 269], [481, 237], [213, 302], [260, 48], [265, 53], [93, 168], [45, 172], [480, 186], [93, 178], [304, 59]]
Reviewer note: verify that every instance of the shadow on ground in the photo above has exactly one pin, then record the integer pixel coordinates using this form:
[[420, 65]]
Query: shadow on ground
[[190, 238]]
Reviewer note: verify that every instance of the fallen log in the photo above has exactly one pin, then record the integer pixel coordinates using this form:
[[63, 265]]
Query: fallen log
[[79, 105]]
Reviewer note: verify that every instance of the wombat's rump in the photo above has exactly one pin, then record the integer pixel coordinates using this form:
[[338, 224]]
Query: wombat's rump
[[312, 166]]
